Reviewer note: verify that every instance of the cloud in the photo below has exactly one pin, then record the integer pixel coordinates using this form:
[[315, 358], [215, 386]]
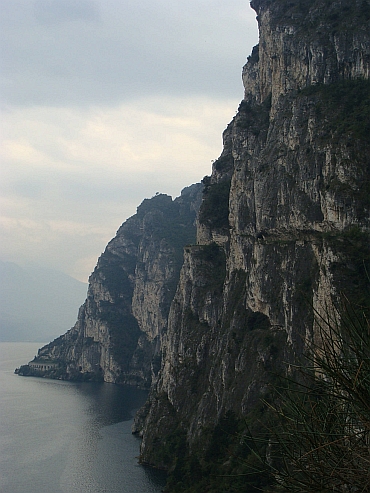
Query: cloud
[[51, 12], [141, 137], [72, 173], [81, 53], [104, 103]]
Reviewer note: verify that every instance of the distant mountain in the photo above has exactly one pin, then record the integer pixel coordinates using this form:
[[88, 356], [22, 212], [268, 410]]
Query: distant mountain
[[117, 337], [217, 317], [37, 304]]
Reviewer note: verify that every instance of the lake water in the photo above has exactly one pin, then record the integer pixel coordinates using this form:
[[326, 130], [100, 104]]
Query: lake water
[[63, 437]]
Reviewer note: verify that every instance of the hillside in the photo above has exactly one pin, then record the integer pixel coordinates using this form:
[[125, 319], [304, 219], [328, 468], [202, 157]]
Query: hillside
[[282, 232]]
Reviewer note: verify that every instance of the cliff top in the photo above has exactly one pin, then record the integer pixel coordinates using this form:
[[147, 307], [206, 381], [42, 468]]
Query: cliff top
[[332, 14]]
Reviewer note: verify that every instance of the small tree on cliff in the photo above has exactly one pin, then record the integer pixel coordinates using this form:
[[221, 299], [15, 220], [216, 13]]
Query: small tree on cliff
[[323, 436]]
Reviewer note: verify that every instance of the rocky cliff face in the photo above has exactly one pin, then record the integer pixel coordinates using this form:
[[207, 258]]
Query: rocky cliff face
[[283, 229], [117, 336]]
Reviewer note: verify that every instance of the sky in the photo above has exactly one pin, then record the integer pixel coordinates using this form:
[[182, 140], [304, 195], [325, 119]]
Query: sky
[[104, 103]]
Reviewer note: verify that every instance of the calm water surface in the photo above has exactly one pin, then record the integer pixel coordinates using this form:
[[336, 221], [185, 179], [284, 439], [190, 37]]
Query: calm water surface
[[62, 437]]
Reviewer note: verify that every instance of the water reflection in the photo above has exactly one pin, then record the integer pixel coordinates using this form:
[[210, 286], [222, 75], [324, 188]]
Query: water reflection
[[62, 437], [110, 404]]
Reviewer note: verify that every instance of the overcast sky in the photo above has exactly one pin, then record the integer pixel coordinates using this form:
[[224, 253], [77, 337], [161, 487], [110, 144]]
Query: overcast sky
[[104, 103]]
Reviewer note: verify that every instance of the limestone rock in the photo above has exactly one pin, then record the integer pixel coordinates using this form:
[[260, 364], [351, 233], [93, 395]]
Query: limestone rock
[[117, 337], [283, 227]]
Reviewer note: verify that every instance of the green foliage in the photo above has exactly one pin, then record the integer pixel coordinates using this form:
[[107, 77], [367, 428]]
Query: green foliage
[[173, 449], [192, 322], [214, 268], [163, 220], [222, 436], [211, 253], [229, 462], [224, 163], [59, 372], [348, 104], [168, 220], [321, 439], [113, 274], [123, 330], [160, 202], [254, 118], [257, 321], [178, 231], [214, 211], [24, 371], [254, 56], [123, 327], [331, 18], [351, 269]]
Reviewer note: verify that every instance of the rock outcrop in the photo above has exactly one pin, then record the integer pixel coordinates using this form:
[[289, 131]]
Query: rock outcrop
[[117, 336], [282, 231]]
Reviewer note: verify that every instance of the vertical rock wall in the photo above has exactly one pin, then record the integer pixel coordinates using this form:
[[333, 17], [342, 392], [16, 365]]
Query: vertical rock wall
[[117, 337], [282, 231], [283, 228]]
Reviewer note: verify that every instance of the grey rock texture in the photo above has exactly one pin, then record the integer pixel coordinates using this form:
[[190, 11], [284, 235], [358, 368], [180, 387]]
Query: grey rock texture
[[282, 231], [117, 336], [304, 43], [283, 228]]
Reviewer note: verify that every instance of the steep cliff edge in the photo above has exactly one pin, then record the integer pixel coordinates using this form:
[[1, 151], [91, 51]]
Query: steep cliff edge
[[117, 336], [283, 229]]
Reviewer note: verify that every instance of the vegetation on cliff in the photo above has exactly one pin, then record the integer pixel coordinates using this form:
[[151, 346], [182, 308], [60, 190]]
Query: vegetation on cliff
[[324, 427], [283, 230], [115, 338], [288, 203]]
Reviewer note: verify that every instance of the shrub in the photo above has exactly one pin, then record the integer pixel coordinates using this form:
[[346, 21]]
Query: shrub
[[322, 440], [214, 211]]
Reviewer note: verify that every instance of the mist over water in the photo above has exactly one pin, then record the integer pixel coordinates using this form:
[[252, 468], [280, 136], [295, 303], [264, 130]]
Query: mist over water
[[63, 437]]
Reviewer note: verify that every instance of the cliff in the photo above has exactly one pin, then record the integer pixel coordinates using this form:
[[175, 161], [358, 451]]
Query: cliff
[[282, 231], [117, 336]]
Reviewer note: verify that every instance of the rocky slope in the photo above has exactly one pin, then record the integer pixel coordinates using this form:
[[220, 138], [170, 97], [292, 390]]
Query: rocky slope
[[283, 230], [117, 336]]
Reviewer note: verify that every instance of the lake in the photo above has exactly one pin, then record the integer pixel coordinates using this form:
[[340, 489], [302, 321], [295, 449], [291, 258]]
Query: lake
[[64, 437]]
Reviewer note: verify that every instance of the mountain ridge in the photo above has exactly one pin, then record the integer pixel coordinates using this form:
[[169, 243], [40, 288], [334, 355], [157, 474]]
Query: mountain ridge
[[283, 230], [117, 336]]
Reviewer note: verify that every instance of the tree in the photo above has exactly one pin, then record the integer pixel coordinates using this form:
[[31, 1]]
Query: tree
[[322, 440]]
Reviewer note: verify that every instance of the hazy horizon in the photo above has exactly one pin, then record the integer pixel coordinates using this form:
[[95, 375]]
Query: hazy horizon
[[37, 304], [105, 103]]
